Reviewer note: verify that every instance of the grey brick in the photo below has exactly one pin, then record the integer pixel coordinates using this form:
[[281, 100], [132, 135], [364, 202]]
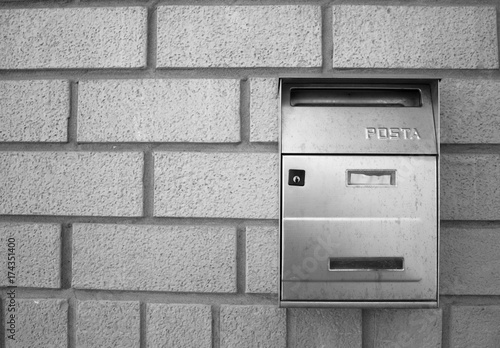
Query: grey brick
[[474, 326], [264, 109], [154, 258], [37, 254], [99, 37], [232, 185], [469, 111], [261, 260], [252, 326], [198, 110], [38, 324], [71, 183], [469, 261], [34, 110], [239, 36], [404, 328], [431, 37], [332, 327], [470, 187], [178, 325], [107, 324]]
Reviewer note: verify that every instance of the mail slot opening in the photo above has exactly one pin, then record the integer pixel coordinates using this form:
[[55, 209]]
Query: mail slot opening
[[355, 97], [371, 177], [367, 264]]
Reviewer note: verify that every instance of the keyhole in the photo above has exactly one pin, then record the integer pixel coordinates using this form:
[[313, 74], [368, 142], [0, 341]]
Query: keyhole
[[296, 179]]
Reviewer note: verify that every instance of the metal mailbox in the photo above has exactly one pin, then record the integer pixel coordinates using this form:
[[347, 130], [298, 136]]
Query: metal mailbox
[[359, 184]]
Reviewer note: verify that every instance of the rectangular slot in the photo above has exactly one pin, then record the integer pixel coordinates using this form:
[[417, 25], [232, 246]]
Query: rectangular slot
[[371, 177], [366, 264], [358, 97]]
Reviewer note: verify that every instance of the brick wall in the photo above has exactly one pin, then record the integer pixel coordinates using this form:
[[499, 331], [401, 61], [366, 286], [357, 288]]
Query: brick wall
[[138, 168]]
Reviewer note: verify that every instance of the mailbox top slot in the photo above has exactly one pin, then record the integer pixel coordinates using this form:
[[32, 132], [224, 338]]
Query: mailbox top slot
[[359, 116], [356, 97]]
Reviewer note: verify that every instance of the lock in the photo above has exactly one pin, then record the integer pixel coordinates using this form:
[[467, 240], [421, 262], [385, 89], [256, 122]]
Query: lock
[[364, 231], [296, 177]]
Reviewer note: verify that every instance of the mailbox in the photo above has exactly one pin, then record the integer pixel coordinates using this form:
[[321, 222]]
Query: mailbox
[[359, 189]]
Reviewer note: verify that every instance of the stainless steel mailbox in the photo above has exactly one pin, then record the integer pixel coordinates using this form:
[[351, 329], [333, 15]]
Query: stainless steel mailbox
[[359, 185]]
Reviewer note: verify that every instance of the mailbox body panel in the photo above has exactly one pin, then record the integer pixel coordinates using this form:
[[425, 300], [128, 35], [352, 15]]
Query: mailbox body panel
[[329, 218], [359, 192]]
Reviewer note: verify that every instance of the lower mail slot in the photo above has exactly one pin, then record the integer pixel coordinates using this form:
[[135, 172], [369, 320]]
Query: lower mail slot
[[366, 264]]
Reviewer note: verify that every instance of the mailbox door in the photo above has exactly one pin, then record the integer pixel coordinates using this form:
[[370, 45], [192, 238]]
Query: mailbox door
[[359, 228]]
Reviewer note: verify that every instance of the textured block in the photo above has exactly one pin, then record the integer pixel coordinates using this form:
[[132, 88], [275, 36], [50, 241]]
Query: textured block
[[469, 261], [264, 110], [239, 36], [34, 110], [470, 187], [252, 326], [38, 324], [178, 325], [430, 37], [325, 328], [404, 328], [231, 185], [107, 324], [37, 253], [159, 111], [154, 258], [262, 260], [71, 183], [99, 37], [474, 326], [469, 111]]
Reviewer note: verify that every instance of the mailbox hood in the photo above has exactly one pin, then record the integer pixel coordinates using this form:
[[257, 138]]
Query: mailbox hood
[[359, 116]]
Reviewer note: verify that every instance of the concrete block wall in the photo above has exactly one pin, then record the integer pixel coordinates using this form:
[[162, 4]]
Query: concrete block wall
[[138, 168]]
